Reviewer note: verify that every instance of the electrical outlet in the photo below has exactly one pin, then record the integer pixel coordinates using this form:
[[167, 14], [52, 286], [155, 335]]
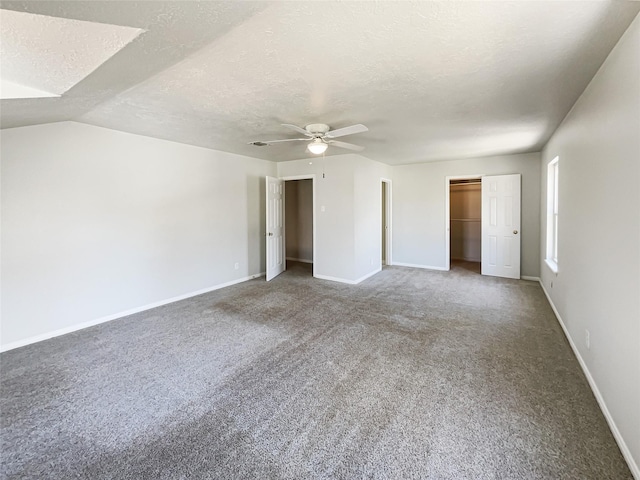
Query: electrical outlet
[[371, 261], [236, 266], [587, 339]]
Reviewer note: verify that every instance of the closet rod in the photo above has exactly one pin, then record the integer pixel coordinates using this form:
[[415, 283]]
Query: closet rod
[[466, 183]]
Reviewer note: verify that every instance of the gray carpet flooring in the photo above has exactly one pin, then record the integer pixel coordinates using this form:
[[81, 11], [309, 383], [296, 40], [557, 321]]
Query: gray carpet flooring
[[411, 374]]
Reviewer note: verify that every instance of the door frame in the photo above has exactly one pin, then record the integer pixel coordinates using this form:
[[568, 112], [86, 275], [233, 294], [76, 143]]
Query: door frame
[[312, 177], [388, 209], [447, 213]]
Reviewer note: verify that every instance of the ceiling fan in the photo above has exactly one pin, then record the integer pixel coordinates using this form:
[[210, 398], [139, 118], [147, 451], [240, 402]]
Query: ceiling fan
[[319, 137]]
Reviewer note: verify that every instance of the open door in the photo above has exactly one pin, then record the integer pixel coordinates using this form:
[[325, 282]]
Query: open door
[[275, 227], [501, 226]]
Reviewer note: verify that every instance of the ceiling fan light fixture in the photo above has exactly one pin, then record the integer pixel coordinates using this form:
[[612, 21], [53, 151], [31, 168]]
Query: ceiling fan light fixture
[[320, 137], [317, 146]]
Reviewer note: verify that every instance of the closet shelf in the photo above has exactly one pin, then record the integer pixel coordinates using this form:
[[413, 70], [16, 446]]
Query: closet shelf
[[465, 219]]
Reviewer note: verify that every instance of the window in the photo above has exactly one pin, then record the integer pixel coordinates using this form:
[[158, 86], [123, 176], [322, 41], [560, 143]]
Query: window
[[552, 215]]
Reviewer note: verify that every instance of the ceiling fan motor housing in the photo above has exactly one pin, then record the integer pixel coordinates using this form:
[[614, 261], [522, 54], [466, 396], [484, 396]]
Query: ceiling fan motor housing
[[317, 129]]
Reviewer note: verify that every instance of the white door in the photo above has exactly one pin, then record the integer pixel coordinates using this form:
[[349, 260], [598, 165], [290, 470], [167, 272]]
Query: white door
[[275, 227], [501, 226]]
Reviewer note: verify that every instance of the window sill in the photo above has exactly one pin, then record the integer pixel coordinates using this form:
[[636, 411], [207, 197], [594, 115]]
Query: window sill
[[552, 265]]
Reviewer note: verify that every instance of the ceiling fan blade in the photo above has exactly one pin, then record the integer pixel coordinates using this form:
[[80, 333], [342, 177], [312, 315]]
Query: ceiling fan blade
[[297, 129], [262, 143], [348, 146], [341, 132]]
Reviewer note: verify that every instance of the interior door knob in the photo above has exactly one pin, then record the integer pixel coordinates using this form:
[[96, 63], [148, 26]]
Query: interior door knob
[[271, 234], [515, 232]]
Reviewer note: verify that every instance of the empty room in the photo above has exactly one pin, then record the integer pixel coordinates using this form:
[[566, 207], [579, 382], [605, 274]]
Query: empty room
[[320, 239]]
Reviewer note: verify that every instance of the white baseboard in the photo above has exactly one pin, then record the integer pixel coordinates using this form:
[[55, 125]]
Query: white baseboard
[[108, 318], [368, 275], [531, 279], [334, 279], [344, 280], [626, 453], [414, 265], [301, 260]]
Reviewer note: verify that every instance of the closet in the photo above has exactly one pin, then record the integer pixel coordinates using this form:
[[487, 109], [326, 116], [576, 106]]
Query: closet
[[465, 208], [298, 216]]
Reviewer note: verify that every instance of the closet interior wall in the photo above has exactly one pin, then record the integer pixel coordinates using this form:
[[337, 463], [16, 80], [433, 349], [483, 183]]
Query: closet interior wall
[[465, 203], [298, 202]]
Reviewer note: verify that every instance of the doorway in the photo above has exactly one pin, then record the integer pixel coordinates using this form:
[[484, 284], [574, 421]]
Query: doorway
[[298, 215], [484, 231], [465, 223], [385, 221]]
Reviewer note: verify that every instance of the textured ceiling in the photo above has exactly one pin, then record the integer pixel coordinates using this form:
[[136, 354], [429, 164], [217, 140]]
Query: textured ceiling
[[431, 80], [52, 54]]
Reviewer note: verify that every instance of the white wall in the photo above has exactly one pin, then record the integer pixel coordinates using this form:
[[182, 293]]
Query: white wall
[[419, 207], [334, 215], [346, 199], [368, 215], [299, 220], [97, 222], [598, 283]]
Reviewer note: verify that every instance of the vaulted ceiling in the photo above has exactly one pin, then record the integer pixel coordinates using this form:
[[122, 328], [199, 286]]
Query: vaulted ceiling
[[431, 80]]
